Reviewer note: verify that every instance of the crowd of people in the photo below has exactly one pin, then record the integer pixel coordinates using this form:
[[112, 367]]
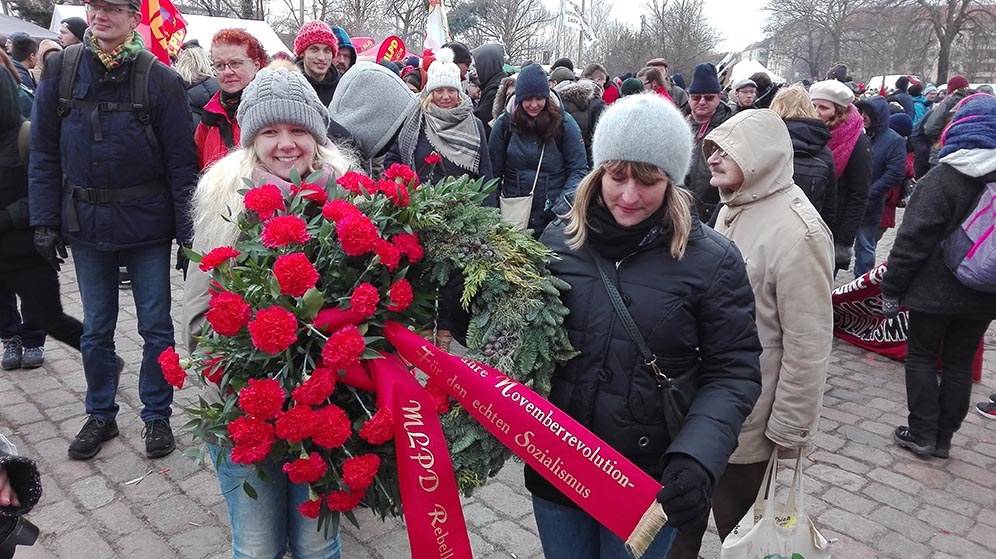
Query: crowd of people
[[696, 225]]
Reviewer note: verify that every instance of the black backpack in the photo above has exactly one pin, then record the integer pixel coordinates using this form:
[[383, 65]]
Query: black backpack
[[139, 82], [810, 174]]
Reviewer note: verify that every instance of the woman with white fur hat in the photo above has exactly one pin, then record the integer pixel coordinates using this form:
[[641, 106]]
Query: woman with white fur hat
[[446, 126], [632, 237], [283, 130]]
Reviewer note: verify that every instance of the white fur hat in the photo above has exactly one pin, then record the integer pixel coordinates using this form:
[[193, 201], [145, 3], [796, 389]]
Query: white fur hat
[[443, 72]]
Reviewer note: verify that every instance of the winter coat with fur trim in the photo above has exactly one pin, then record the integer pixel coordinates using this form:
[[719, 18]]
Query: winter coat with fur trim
[[789, 255], [581, 100]]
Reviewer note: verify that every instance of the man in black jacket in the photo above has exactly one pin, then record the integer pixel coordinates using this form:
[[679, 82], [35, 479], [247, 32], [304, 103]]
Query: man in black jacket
[[118, 193], [489, 60], [316, 47]]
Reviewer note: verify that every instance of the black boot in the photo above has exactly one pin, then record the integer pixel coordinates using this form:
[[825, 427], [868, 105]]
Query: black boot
[[15, 531]]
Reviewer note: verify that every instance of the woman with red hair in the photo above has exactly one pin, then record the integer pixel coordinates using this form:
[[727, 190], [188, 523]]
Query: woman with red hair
[[236, 56]]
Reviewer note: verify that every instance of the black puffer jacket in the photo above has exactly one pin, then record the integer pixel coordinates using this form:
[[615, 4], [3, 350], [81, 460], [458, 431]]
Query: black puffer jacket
[[916, 273], [489, 60], [17, 249], [198, 94], [696, 312], [586, 107], [809, 140]]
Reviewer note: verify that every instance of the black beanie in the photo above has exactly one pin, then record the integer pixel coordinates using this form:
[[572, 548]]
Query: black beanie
[[565, 62], [461, 54], [76, 25], [902, 83]]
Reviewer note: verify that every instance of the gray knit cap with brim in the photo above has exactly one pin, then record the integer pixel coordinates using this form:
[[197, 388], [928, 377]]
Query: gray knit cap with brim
[[644, 129], [281, 96]]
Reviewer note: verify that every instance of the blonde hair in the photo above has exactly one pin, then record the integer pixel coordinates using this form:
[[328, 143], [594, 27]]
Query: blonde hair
[[215, 204], [677, 201], [793, 103], [193, 64]]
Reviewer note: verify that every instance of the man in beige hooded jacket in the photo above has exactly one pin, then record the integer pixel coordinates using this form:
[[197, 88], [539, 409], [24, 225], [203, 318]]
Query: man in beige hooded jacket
[[788, 251]]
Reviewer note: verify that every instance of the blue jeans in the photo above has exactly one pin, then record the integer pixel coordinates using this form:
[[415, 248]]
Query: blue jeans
[[97, 276], [864, 249], [570, 532], [262, 528]]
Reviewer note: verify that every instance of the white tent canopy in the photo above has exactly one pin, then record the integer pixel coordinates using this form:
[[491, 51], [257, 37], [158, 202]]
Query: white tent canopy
[[747, 68], [201, 28]]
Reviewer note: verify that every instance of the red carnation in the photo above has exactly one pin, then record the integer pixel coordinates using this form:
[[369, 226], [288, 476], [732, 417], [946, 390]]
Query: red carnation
[[389, 255], [297, 424], [253, 439], [356, 182], [262, 399], [432, 158], [169, 362], [344, 501], [401, 295], [440, 399], [228, 313], [295, 274], [310, 509], [317, 388], [358, 472], [273, 330], [397, 193], [378, 429], [343, 348], [213, 371], [311, 192], [306, 470], [212, 259], [409, 245], [357, 234], [364, 300], [332, 428], [338, 209], [405, 173], [265, 200], [284, 230]]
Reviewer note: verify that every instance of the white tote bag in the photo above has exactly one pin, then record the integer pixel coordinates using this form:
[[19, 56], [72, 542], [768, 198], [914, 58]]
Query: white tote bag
[[516, 210], [773, 530]]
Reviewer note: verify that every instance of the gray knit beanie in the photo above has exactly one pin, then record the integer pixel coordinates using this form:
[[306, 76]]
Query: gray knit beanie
[[644, 129], [372, 103], [281, 96]]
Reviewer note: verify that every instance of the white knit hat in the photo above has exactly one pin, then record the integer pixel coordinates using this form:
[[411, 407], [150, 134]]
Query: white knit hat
[[644, 129], [443, 72], [833, 91]]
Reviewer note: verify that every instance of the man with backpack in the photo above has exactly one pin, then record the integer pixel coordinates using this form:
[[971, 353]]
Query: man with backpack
[[111, 172], [941, 268]]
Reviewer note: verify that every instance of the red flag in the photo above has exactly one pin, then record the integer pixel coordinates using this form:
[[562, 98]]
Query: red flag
[[163, 28]]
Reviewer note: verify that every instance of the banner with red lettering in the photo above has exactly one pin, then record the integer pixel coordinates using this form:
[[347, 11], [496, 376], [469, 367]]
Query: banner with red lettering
[[163, 28], [591, 473]]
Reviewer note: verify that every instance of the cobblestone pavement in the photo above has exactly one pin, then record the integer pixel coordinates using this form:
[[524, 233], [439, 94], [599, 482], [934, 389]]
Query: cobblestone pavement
[[877, 500]]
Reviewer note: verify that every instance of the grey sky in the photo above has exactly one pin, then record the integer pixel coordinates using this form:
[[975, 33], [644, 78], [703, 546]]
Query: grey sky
[[739, 21]]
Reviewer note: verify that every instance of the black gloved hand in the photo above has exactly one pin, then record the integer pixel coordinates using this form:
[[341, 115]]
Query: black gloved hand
[[182, 262], [842, 256], [687, 492], [890, 306], [49, 244]]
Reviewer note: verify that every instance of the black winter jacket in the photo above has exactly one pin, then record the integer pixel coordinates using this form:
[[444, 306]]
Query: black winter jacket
[[124, 158], [444, 168], [489, 60], [198, 94], [699, 178], [324, 88], [696, 314], [888, 158], [916, 273], [809, 138], [16, 247], [852, 193]]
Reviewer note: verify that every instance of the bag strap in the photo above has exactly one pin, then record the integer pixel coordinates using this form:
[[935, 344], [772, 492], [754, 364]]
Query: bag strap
[[797, 496], [70, 64], [649, 358], [141, 69], [538, 166], [766, 493]]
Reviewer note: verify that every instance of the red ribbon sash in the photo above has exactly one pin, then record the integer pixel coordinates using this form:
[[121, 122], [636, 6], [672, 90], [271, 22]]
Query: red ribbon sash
[[591, 473], [429, 495]]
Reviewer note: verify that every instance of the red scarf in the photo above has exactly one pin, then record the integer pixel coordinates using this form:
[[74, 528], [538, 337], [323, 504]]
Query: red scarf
[[844, 137]]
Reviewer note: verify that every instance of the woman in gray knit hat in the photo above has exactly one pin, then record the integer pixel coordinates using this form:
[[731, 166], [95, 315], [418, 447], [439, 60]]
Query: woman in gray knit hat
[[663, 313], [283, 130]]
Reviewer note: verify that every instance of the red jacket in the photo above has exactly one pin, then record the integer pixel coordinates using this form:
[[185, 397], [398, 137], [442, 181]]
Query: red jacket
[[611, 94], [216, 135]]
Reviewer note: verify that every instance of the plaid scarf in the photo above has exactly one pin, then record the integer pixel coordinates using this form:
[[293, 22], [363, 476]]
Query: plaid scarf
[[124, 52]]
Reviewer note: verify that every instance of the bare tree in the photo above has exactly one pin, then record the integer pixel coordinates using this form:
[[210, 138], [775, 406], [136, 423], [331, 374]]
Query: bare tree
[[817, 32], [949, 19], [409, 21], [679, 30], [516, 24]]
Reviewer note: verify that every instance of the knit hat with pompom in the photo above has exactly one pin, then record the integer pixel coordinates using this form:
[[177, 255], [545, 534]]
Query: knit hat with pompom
[[443, 72]]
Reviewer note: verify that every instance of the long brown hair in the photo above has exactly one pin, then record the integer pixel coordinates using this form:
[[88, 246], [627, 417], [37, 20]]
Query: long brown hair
[[677, 201], [546, 125], [840, 116]]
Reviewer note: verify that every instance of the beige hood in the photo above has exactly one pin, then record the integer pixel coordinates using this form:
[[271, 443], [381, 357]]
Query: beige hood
[[759, 143]]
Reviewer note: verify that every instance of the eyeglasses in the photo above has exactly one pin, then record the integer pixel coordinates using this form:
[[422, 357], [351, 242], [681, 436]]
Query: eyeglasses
[[698, 98], [108, 10], [235, 65]]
